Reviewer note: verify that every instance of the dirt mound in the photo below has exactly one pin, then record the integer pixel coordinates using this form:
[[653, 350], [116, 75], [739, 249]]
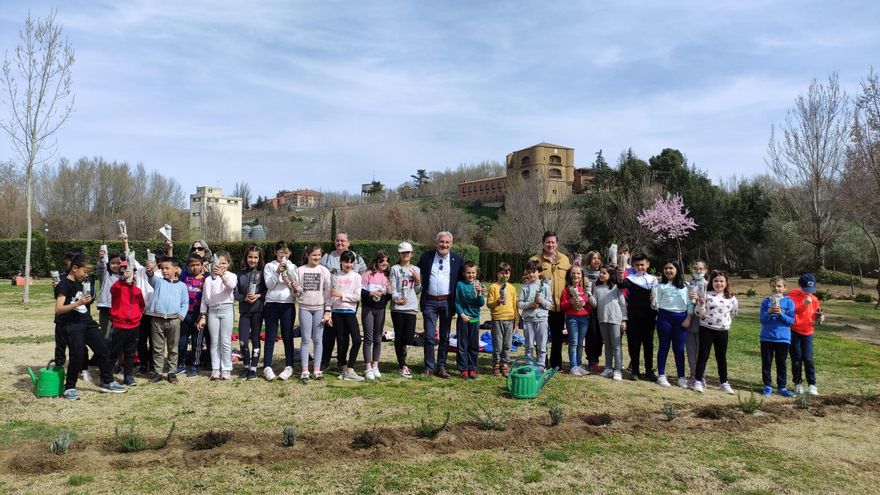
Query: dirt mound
[[391, 443]]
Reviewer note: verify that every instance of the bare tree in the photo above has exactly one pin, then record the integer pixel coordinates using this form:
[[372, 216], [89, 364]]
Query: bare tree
[[527, 216], [243, 191], [808, 161], [36, 83], [861, 182], [214, 226], [444, 215]]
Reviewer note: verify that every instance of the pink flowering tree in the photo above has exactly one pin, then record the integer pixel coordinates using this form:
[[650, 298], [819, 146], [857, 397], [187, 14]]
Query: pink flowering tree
[[668, 220]]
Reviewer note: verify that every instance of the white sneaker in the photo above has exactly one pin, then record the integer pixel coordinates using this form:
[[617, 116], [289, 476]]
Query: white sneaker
[[662, 381], [813, 390], [85, 376], [369, 374], [618, 376], [286, 373], [798, 389], [268, 374], [304, 376], [682, 382], [575, 371], [406, 373], [727, 389], [319, 375], [698, 387], [352, 376], [607, 373], [376, 373]]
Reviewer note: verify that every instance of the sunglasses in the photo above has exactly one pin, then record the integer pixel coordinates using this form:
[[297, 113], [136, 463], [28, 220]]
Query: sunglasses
[[198, 248], [441, 265]]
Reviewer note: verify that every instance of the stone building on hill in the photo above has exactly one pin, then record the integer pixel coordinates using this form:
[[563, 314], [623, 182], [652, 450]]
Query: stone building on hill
[[551, 164], [301, 198]]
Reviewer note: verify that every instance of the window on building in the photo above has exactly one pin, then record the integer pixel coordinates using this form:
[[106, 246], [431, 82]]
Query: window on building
[[482, 187], [555, 173], [555, 160], [525, 174], [525, 161]]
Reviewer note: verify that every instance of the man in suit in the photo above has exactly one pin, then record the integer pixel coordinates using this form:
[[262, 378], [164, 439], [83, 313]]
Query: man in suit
[[440, 269]]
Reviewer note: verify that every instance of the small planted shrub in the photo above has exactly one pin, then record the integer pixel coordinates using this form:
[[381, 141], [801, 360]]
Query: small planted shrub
[[131, 441], [750, 404], [823, 295], [61, 443], [556, 415], [864, 298], [366, 439], [426, 429], [803, 400], [751, 293], [669, 411], [288, 436], [486, 420]]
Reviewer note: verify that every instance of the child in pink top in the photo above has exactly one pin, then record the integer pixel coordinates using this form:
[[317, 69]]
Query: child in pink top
[[345, 296], [314, 308], [375, 294]]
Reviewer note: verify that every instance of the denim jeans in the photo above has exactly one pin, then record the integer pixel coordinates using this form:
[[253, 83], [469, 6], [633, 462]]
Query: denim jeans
[[275, 313], [801, 351], [434, 311], [577, 332]]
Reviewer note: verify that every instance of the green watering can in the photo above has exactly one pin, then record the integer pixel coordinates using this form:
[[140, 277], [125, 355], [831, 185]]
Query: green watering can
[[526, 381], [50, 383]]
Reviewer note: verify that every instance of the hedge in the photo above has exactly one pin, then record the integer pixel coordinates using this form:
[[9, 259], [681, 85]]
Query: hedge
[[489, 264], [50, 255]]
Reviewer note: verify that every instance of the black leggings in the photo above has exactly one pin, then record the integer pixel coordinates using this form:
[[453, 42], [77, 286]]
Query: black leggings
[[404, 331], [709, 337], [346, 325], [124, 341], [249, 326]]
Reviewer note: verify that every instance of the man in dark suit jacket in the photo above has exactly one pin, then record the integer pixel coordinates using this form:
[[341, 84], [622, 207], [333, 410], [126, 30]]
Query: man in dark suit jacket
[[440, 269]]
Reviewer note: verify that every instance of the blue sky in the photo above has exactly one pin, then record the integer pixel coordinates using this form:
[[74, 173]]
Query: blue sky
[[329, 94]]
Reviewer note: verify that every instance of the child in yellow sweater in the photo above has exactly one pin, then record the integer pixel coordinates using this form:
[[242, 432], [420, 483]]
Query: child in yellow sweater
[[502, 308]]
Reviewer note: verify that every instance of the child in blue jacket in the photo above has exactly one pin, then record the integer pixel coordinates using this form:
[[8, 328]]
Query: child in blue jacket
[[777, 316]]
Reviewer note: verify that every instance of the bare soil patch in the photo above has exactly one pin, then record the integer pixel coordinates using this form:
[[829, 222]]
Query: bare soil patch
[[315, 449]]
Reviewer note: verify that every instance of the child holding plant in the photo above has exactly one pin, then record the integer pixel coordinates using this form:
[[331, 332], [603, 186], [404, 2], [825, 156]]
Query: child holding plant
[[375, 293], [314, 309], [715, 311], [576, 303], [777, 315], [534, 302], [345, 296], [250, 291], [470, 296], [807, 312], [218, 313], [406, 285], [502, 309], [611, 312]]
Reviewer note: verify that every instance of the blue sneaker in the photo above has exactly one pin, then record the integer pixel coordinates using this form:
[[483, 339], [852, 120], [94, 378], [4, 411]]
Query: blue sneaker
[[193, 372], [70, 394], [113, 388], [785, 392], [768, 391]]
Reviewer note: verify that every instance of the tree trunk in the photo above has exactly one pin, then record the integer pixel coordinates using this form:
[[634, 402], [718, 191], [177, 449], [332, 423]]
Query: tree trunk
[[819, 257], [26, 295]]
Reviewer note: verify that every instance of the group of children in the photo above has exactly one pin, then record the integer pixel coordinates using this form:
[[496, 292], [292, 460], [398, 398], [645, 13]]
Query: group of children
[[166, 316]]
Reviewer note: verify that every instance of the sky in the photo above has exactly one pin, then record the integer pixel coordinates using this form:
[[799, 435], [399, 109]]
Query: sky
[[329, 95]]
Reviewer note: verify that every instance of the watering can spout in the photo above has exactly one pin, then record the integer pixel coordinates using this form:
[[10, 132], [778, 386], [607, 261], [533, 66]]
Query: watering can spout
[[33, 376]]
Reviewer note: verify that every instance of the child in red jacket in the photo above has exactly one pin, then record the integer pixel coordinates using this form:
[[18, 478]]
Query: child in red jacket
[[126, 310], [807, 311]]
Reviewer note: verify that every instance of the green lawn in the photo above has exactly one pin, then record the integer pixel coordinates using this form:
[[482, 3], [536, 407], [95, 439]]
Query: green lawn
[[639, 451]]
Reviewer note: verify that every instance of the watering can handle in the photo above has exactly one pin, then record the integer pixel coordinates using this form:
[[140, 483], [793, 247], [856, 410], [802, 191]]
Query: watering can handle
[[49, 364], [33, 376]]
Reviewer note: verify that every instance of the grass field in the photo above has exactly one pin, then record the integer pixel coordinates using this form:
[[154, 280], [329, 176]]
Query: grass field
[[359, 438]]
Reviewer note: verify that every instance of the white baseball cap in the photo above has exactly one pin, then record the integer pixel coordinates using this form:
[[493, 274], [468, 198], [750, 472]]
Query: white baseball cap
[[404, 247]]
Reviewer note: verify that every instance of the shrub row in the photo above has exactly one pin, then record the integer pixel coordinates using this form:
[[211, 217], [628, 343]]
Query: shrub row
[[49, 255], [837, 278]]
